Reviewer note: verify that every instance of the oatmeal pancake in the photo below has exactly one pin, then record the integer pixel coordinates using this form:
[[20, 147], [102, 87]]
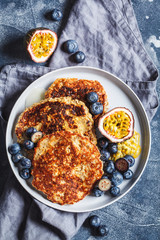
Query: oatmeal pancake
[[66, 166], [77, 89], [51, 115]]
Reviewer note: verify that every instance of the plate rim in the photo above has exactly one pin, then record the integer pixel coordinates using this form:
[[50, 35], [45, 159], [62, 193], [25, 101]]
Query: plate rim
[[58, 207]]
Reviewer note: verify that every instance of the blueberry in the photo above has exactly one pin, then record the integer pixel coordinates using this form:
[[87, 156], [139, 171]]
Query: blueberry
[[109, 175], [92, 97], [117, 178], [96, 108], [70, 46], [97, 192], [121, 165], [128, 174], [112, 148], [30, 131], [79, 57], [115, 191], [94, 221], [104, 177], [105, 155], [102, 230], [14, 148], [28, 144], [25, 173], [18, 156], [56, 14], [36, 136], [103, 142], [25, 163], [130, 160], [109, 167]]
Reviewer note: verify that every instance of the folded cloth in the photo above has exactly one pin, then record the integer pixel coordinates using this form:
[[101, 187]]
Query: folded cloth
[[107, 32]]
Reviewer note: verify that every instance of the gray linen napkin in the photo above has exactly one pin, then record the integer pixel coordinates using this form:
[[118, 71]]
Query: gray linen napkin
[[112, 42], [108, 34]]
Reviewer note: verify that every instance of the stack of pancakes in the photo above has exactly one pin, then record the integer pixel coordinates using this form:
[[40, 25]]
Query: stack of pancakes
[[66, 161]]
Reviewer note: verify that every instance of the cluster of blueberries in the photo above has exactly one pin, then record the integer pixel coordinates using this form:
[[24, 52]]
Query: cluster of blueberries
[[95, 223], [95, 106], [24, 163], [114, 171], [71, 47]]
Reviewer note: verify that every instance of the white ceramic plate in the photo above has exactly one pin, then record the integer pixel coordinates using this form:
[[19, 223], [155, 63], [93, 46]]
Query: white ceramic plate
[[119, 94]]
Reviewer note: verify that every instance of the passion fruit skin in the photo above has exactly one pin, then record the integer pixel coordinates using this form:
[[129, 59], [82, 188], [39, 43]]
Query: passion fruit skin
[[28, 40], [110, 137]]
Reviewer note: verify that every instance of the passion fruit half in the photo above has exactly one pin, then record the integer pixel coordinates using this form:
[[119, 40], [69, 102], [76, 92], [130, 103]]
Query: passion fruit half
[[41, 43], [117, 125]]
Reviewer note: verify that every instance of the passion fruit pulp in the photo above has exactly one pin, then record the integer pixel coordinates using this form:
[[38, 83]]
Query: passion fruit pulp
[[129, 147], [41, 43], [117, 125]]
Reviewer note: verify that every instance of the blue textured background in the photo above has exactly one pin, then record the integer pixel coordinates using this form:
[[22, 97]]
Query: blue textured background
[[137, 215]]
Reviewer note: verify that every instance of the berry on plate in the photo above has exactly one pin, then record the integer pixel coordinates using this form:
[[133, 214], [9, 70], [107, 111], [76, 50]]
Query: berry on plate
[[104, 177], [96, 108], [103, 142], [36, 136], [121, 165], [128, 174], [30, 131], [17, 157], [92, 97], [113, 148], [97, 192], [104, 184], [14, 148], [105, 155], [25, 163], [117, 178], [28, 144], [130, 159], [115, 191], [109, 167], [25, 173]]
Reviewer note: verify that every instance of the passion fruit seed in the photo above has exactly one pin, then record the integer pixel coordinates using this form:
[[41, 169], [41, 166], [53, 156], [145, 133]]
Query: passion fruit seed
[[117, 125]]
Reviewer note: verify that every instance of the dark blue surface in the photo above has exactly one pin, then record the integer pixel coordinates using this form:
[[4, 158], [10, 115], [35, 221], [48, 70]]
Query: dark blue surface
[[140, 220]]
